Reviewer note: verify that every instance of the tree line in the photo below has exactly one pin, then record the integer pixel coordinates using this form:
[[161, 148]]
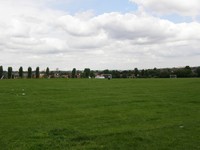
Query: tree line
[[9, 74], [183, 72]]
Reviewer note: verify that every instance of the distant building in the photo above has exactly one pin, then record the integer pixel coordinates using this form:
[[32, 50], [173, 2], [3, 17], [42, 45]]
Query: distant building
[[104, 76], [99, 77], [15, 75]]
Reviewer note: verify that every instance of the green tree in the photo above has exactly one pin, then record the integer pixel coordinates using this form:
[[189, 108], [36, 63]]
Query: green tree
[[47, 72], [29, 72], [184, 72], [124, 74], [21, 73], [188, 71], [146, 73], [9, 72], [86, 73], [37, 72], [1, 72], [74, 73], [180, 72], [164, 73], [106, 71], [198, 71], [136, 72], [142, 73], [156, 72], [92, 74], [115, 74]]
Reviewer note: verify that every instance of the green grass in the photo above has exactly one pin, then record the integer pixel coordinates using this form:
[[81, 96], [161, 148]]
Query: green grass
[[146, 114]]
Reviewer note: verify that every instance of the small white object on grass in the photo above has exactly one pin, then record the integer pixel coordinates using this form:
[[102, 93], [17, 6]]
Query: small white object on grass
[[23, 94], [181, 126]]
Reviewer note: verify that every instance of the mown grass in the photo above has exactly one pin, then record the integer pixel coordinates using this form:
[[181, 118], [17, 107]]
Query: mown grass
[[100, 114]]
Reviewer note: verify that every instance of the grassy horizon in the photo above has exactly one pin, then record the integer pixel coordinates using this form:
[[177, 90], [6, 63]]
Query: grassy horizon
[[100, 114]]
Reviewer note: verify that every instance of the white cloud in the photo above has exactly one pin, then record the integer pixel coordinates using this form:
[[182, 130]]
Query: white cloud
[[181, 7], [34, 35]]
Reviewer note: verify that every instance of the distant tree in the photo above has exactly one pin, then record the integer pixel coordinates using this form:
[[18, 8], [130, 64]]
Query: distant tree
[[47, 72], [74, 73], [29, 72], [156, 72], [115, 74], [164, 73], [124, 74], [153, 73], [86, 73], [188, 71], [180, 72], [37, 72], [21, 73], [198, 71], [143, 73], [136, 72], [106, 71], [184, 72], [130, 73], [9, 72], [1, 72], [146, 73], [92, 74]]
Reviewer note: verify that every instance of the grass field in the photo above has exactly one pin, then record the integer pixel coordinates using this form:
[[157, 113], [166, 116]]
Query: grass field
[[146, 114]]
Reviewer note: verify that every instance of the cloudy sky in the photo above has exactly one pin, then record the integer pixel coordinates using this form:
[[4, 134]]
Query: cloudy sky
[[99, 34]]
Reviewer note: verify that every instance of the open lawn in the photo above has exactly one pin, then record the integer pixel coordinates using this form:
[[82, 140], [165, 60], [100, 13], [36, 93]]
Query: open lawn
[[78, 114]]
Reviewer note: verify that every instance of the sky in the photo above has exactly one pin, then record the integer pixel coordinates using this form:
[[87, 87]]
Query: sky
[[99, 34]]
